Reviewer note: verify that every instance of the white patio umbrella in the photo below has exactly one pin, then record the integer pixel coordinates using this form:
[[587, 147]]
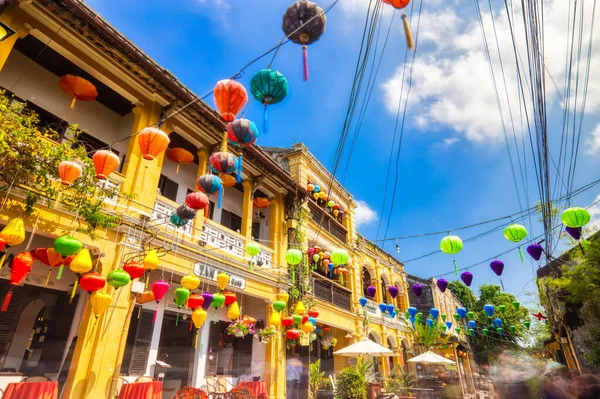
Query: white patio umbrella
[[365, 347], [431, 358]]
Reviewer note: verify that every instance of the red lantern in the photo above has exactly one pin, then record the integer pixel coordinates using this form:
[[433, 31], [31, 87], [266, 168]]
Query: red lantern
[[195, 301], [325, 328], [304, 318], [134, 269], [287, 321], [397, 3], [348, 337], [105, 162], [152, 142], [197, 200], [92, 282], [2, 243], [261, 202], [21, 265], [230, 97], [313, 313], [180, 156], [229, 298], [49, 257], [292, 334], [69, 171], [78, 88]]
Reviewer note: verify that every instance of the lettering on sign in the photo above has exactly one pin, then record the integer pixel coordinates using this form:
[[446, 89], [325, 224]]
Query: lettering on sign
[[208, 272]]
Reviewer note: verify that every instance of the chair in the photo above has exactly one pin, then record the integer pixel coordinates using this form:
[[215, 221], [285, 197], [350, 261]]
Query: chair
[[216, 390], [145, 378], [37, 378], [122, 381]]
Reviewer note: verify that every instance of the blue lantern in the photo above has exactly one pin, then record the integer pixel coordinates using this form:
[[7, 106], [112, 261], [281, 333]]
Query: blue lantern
[[393, 314], [462, 312], [382, 307], [489, 310], [429, 323], [449, 325], [363, 302], [312, 320], [412, 319], [471, 323], [498, 322], [390, 308], [412, 311], [434, 313]]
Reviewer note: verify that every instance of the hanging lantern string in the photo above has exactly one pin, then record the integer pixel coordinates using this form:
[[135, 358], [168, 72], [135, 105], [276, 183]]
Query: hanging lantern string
[[7, 194]]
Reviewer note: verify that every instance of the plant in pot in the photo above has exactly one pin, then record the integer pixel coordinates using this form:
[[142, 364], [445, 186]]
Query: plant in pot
[[400, 383], [351, 384], [320, 387]]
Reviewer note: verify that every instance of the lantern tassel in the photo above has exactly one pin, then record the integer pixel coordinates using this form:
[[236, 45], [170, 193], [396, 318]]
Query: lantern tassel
[[502, 284], [265, 120], [293, 276], [154, 315], [73, 103], [7, 299], [60, 272], [521, 255], [224, 142], [582, 249], [177, 320], [139, 312], [196, 341], [3, 258], [75, 284], [239, 169], [305, 63], [191, 324], [342, 278], [48, 276], [410, 43], [177, 170], [220, 200], [584, 242], [455, 267], [147, 279]]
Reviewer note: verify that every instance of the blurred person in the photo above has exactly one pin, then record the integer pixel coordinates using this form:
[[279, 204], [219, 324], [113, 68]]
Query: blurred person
[[583, 386], [293, 373], [245, 376], [589, 392]]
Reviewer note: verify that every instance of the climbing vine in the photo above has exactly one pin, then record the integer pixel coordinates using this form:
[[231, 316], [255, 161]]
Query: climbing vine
[[302, 285]]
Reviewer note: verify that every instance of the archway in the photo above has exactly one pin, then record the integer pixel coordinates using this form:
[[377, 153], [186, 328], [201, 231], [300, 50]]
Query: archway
[[392, 344], [401, 296], [384, 282], [367, 277], [22, 335], [375, 337]]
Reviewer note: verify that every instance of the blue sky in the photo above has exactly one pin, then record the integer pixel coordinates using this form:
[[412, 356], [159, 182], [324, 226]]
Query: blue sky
[[454, 168]]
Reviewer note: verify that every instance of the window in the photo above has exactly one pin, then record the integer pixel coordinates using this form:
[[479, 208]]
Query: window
[[230, 355], [231, 220], [383, 290], [48, 120], [91, 143], [366, 281], [135, 357], [167, 188], [256, 231]]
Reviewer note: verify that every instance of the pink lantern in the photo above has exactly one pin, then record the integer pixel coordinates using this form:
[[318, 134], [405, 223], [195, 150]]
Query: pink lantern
[[159, 289]]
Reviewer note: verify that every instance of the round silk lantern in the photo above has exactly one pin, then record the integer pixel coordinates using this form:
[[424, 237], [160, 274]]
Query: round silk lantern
[[198, 318], [489, 309], [67, 245], [512, 329], [211, 184], [303, 23], [575, 217], [242, 132], [516, 305], [497, 267], [500, 331], [363, 302], [442, 284], [283, 296], [152, 142], [208, 298], [81, 263], [194, 301], [147, 296], [69, 171], [159, 289], [292, 334], [105, 162], [293, 257], [14, 232], [190, 281], [574, 232], [462, 312], [417, 289], [371, 290], [185, 212], [472, 323], [79, 88], [151, 260], [252, 249], [467, 278], [300, 308], [100, 302], [222, 280], [310, 187], [278, 306], [470, 315], [225, 162], [485, 331], [20, 267], [434, 313], [92, 282], [339, 256], [49, 257], [249, 321], [175, 220], [118, 278], [275, 319], [197, 200], [228, 180], [313, 313], [307, 327], [451, 245], [233, 312], [268, 87], [261, 203], [230, 97], [230, 298], [180, 295], [399, 4], [180, 156], [516, 233], [393, 290], [287, 321], [535, 250], [527, 324], [134, 269]]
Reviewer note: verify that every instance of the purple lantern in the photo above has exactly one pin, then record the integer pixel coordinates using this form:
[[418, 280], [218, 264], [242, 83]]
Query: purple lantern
[[208, 298], [442, 284], [574, 232], [498, 267], [536, 250], [417, 289], [393, 290], [467, 278], [371, 291]]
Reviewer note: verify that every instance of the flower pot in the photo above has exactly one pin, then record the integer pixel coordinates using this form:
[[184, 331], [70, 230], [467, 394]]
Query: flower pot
[[324, 394]]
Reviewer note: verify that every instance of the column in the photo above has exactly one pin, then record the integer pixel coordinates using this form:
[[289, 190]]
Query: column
[[384, 360], [247, 209], [21, 31], [202, 161], [275, 362], [278, 230]]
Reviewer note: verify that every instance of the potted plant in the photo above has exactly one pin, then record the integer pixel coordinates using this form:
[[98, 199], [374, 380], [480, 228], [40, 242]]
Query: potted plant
[[351, 384], [326, 390], [320, 387], [267, 334], [239, 329], [400, 384]]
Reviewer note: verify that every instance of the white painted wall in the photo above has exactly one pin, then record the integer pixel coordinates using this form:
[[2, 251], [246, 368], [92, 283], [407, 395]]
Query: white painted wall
[[31, 82], [186, 178]]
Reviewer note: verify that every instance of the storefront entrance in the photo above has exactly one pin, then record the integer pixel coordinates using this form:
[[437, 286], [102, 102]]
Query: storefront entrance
[[176, 349]]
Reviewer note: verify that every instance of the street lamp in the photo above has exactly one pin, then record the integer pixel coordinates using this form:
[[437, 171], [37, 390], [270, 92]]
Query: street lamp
[[5, 31]]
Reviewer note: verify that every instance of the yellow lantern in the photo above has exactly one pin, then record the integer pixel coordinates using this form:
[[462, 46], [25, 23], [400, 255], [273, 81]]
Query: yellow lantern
[[307, 327], [233, 312], [100, 302], [222, 280], [322, 195], [14, 232], [316, 196], [191, 282], [198, 317], [283, 296], [300, 309], [150, 261], [81, 263], [275, 319]]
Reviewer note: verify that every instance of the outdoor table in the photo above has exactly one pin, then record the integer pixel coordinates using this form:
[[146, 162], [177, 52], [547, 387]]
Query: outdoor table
[[142, 390], [259, 388], [31, 390]]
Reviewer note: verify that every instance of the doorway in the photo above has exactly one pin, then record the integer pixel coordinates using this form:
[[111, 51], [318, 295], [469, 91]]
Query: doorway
[[176, 349]]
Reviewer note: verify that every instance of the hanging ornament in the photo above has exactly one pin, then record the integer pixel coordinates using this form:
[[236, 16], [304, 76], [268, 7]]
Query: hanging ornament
[[283, 296], [472, 323], [225, 162], [252, 250], [575, 217], [313, 313], [49, 257], [217, 302], [79, 88], [371, 290], [527, 324], [516, 305], [502, 309], [81, 263], [575, 232], [242, 132], [300, 309], [470, 315], [134, 269], [198, 318], [197, 200], [339, 256], [268, 87], [342, 272], [190, 282], [208, 298], [181, 296], [118, 278], [512, 329], [105, 162], [461, 312], [152, 142], [516, 233], [194, 301], [211, 184], [399, 4], [467, 278], [275, 319], [278, 306], [293, 257], [500, 331], [363, 302], [175, 220], [230, 97], [233, 312], [222, 280], [92, 282], [184, 212], [12, 234], [261, 203], [287, 321], [69, 171], [442, 284], [159, 289], [307, 327], [150, 263], [451, 245], [249, 321], [434, 313], [535, 250], [417, 289], [497, 267], [230, 298], [292, 334], [20, 267], [100, 302], [489, 310], [147, 296]]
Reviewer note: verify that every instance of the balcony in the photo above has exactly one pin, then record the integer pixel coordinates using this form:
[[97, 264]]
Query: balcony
[[332, 293], [328, 223]]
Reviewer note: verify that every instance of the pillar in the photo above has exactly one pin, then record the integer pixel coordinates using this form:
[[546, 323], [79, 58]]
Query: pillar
[[384, 360], [202, 161], [21, 31], [247, 209], [275, 363], [278, 230]]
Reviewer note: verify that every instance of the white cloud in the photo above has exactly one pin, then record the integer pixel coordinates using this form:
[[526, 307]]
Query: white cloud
[[594, 211], [452, 85], [218, 4], [593, 141], [446, 143], [364, 214]]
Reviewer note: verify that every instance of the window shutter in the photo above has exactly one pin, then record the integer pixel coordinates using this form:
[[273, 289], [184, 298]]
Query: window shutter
[[171, 189], [10, 318], [55, 340], [141, 344]]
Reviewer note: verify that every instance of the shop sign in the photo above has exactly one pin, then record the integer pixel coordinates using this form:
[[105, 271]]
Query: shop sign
[[208, 272]]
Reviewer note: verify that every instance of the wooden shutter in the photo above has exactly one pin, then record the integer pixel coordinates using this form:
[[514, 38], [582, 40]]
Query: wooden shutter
[[10, 318], [141, 344]]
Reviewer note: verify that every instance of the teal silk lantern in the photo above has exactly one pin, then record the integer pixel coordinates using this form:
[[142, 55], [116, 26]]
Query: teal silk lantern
[[177, 221], [516, 233], [575, 217], [451, 245], [268, 87]]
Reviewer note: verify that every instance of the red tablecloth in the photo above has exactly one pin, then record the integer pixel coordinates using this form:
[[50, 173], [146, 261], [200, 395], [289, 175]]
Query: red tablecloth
[[141, 390], [31, 390], [259, 388]]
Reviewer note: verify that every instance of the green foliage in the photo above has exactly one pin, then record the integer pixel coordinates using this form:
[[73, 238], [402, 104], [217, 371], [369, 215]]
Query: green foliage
[[399, 383], [351, 384], [30, 156], [428, 336], [315, 378], [463, 293], [303, 272]]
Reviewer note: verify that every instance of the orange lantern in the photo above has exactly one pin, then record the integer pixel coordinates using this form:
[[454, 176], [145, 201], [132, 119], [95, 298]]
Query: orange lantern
[[78, 88], [69, 171], [228, 180], [261, 202], [105, 162], [152, 142], [180, 156], [310, 187], [49, 257], [230, 98], [397, 3]]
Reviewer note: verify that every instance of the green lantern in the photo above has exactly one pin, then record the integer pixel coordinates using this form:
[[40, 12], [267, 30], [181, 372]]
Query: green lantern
[[293, 257], [444, 328], [502, 309], [500, 331], [575, 217], [279, 306], [118, 278], [419, 316], [470, 315], [471, 332], [339, 256], [218, 300], [252, 249], [451, 245], [330, 204], [516, 233], [67, 245], [527, 324], [444, 317], [512, 329], [180, 295], [485, 331], [268, 87], [456, 316], [516, 305], [406, 315], [177, 221], [457, 329], [297, 319]]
